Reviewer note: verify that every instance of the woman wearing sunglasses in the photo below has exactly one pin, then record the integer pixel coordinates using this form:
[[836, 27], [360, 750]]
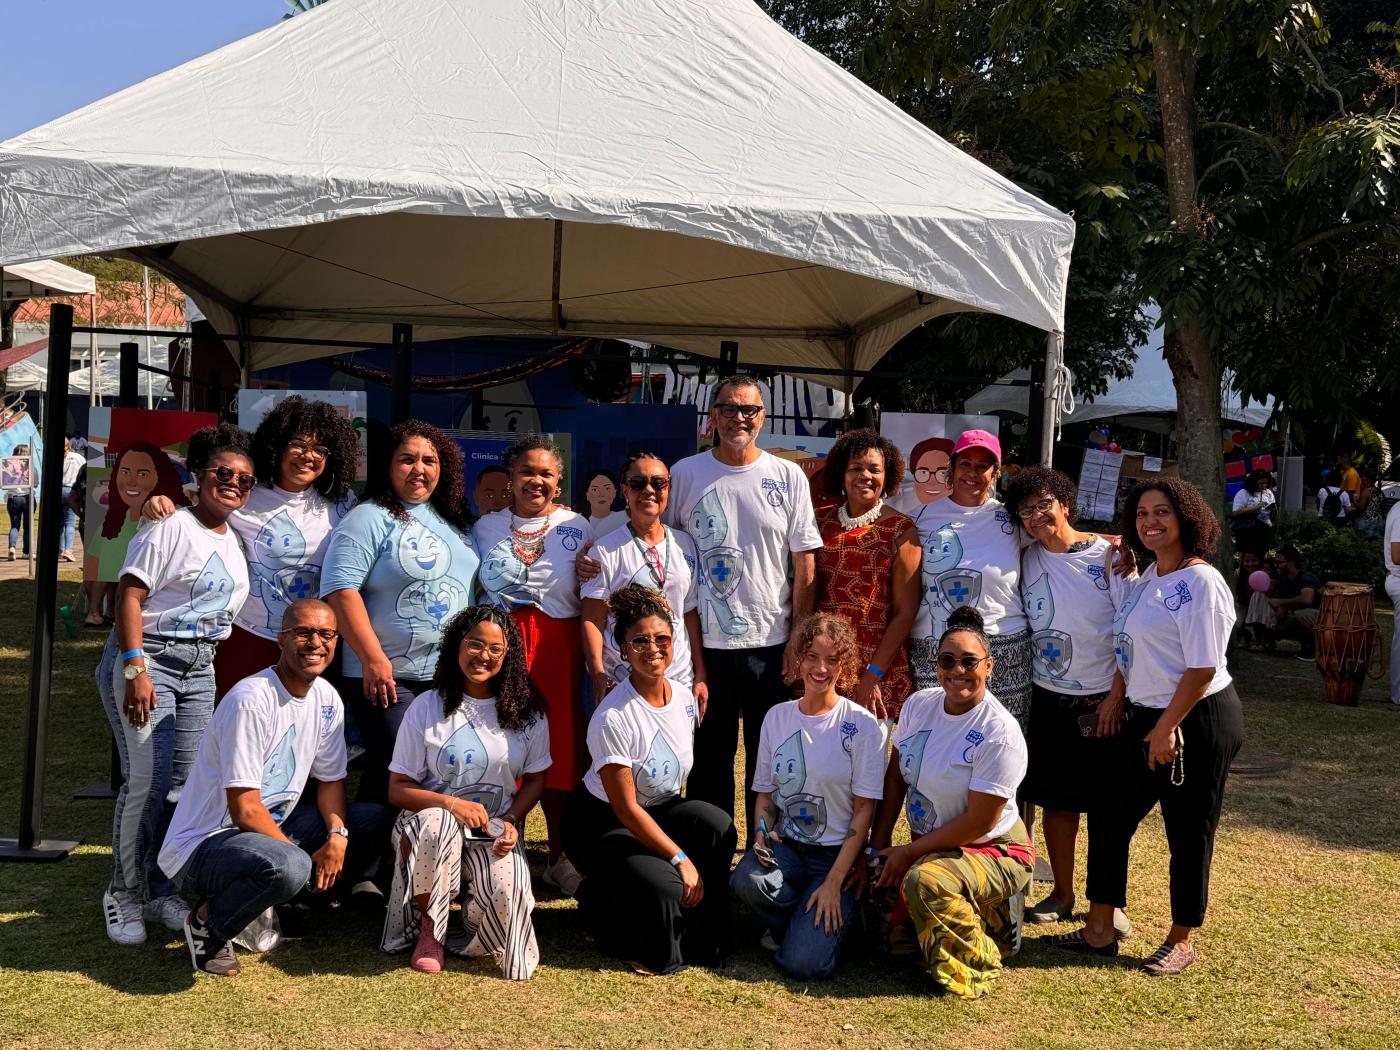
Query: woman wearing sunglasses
[[645, 552], [469, 764], [654, 865], [958, 759], [183, 583], [304, 454]]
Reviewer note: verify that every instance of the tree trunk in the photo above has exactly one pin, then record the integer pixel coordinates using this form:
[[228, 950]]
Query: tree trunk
[[1195, 370]]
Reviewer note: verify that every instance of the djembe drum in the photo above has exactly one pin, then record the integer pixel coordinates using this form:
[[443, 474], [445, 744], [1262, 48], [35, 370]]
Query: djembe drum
[[1348, 640]]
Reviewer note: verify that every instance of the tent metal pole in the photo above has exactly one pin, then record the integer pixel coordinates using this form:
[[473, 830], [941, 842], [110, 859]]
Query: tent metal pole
[[1054, 352], [554, 313], [29, 846], [401, 380]]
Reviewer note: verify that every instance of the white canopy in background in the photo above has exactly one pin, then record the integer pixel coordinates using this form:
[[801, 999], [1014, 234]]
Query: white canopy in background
[[686, 172], [44, 279]]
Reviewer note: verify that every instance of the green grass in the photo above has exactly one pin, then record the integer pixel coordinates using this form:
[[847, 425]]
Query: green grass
[[1302, 946]]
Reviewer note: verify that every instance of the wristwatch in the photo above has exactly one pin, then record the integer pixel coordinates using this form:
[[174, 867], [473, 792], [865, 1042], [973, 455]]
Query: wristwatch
[[342, 831], [131, 672]]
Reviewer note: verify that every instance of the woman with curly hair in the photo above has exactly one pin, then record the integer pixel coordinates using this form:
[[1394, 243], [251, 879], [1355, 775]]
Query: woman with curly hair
[[1183, 726], [820, 771], [397, 568], [654, 865], [527, 566], [469, 764], [868, 567], [304, 455]]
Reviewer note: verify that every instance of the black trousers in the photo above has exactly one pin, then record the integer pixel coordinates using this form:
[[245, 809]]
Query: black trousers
[[743, 683], [630, 899], [379, 728], [1211, 734]]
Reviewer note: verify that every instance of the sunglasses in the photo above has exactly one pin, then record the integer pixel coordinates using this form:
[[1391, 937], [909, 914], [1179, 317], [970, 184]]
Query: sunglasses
[[729, 410], [637, 483], [643, 642], [947, 661], [226, 474], [308, 634]]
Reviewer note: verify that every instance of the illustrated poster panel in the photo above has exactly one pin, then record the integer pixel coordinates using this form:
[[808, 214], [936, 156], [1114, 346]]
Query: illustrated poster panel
[[926, 440]]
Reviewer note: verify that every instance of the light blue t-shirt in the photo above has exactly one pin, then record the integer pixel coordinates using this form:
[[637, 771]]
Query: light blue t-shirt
[[413, 578]]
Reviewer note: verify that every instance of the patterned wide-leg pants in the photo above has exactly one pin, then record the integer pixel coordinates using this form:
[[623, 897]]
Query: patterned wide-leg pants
[[433, 858]]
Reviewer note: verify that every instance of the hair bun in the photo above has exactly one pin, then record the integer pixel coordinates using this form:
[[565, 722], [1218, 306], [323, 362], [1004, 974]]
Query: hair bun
[[965, 618]]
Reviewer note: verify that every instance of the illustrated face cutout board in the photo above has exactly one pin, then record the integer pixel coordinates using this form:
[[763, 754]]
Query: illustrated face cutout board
[[926, 441]]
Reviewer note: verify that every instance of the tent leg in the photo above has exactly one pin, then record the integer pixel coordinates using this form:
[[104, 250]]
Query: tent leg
[[29, 846], [1050, 392]]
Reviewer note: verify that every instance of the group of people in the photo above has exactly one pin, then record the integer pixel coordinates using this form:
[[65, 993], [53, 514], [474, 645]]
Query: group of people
[[957, 664]]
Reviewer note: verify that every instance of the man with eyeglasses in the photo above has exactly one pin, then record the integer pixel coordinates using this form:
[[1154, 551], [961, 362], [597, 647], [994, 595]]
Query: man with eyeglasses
[[244, 838], [750, 515]]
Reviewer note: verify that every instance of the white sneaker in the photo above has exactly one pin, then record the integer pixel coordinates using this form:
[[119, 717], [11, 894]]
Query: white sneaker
[[169, 911], [123, 914], [562, 876]]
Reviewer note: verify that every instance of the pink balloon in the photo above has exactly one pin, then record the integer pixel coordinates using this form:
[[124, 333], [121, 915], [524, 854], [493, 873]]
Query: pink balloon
[[1259, 581]]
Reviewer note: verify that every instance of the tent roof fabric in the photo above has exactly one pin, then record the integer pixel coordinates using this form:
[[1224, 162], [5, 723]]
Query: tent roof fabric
[[692, 173], [44, 279]]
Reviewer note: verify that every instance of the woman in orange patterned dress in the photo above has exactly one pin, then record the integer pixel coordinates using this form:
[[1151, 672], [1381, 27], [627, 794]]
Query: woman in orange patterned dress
[[868, 566]]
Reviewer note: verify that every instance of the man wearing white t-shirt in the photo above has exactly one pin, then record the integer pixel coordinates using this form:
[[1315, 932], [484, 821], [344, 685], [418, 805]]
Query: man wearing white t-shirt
[[1391, 554], [243, 839], [750, 515]]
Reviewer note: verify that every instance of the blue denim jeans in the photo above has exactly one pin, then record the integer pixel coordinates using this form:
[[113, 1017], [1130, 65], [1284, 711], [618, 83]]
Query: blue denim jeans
[[156, 758], [70, 521], [243, 873], [779, 895], [17, 504]]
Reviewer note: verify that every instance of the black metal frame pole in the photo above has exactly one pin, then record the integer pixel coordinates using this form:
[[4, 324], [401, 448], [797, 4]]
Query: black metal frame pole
[[401, 385], [29, 846], [1036, 453]]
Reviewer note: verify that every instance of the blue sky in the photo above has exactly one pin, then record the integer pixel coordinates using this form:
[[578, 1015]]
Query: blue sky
[[59, 55]]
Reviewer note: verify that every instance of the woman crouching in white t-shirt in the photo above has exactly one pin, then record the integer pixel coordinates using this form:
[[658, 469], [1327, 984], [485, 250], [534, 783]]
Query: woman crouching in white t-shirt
[[1184, 724], [819, 773], [958, 758], [654, 865], [462, 749]]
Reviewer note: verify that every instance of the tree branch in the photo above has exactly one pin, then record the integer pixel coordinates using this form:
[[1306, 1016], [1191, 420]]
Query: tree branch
[[1257, 135], [1335, 231], [1231, 159], [1322, 77]]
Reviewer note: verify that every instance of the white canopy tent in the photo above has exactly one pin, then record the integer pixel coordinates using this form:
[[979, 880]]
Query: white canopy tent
[[44, 279], [687, 172]]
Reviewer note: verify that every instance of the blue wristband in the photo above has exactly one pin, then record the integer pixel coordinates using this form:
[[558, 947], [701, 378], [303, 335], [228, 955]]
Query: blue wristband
[[132, 654], [676, 860], [875, 670]]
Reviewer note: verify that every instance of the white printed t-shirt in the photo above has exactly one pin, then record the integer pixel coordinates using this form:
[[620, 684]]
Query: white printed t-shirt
[[549, 583], [972, 556], [467, 754], [197, 578], [1392, 536], [656, 743], [815, 765], [284, 536], [621, 562], [943, 757], [263, 737], [1170, 625], [746, 522], [1071, 602]]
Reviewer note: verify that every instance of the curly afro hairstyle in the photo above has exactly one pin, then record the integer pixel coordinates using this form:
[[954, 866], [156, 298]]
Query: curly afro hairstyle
[[206, 442], [857, 443], [836, 630], [517, 700], [449, 499], [1030, 483], [631, 605], [1200, 530], [297, 417]]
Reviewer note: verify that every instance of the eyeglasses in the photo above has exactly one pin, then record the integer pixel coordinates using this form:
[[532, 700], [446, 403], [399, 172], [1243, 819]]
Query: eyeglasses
[[300, 448], [1027, 513], [637, 483], [947, 661], [475, 648], [923, 475], [318, 634], [227, 474], [728, 410], [643, 642]]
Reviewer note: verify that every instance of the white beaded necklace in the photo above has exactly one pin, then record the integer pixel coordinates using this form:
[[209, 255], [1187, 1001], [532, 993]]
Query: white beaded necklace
[[868, 518]]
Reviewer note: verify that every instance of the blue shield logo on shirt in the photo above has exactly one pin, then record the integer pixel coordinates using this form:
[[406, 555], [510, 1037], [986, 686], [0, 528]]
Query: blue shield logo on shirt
[[1123, 651], [960, 587], [1053, 651], [723, 569], [805, 817]]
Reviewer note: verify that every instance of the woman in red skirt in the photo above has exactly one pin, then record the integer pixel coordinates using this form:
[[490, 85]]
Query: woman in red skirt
[[527, 566]]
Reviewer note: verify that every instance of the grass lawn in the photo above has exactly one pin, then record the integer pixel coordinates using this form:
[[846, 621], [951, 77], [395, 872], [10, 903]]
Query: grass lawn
[[1302, 947]]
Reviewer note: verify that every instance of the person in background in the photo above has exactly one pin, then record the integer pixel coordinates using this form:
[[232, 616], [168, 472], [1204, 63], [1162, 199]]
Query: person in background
[[868, 567], [1251, 514], [1294, 601], [1184, 724], [819, 774], [397, 568], [1252, 607], [527, 568], [492, 490], [73, 463], [181, 587], [245, 837], [654, 865], [961, 881], [597, 503], [1390, 555], [17, 505], [469, 765], [1333, 501], [1348, 477]]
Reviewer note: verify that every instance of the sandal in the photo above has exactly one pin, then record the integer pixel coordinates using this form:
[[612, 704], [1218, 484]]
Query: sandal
[[1076, 942], [1170, 960]]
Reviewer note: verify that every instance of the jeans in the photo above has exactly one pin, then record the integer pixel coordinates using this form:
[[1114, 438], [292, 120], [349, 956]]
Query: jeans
[[70, 521], [779, 895], [156, 758], [17, 503], [243, 873], [379, 730]]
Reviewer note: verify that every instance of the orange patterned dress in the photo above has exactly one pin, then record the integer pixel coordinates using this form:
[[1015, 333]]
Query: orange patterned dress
[[855, 579]]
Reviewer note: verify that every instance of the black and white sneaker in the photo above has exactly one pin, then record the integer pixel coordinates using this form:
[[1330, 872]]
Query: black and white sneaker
[[208, 954]]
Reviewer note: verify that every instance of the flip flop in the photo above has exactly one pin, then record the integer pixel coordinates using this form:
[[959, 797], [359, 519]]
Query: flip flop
[[1075, 942]]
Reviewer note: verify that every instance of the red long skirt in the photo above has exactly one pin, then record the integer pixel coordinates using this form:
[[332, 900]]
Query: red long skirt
[[554, 659]]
